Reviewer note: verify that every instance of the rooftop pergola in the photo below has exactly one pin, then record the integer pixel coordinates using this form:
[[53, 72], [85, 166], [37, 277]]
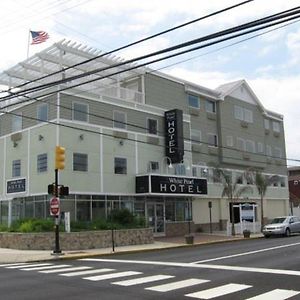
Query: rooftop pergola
[[57, 57]]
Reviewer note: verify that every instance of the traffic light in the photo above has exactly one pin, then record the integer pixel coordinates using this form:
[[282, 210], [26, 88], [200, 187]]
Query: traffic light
[[60, 157]]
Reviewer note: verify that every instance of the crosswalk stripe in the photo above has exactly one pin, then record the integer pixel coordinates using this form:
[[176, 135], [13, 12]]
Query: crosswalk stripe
[[219, 291], [142, 280], [95, 271], [65, 270], [13, 264], [43, 267], [112, 275], [277, 294], [28, 266], [177, 285]]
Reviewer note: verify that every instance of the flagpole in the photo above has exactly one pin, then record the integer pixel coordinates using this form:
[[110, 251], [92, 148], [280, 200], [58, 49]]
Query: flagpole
[[28, 43]]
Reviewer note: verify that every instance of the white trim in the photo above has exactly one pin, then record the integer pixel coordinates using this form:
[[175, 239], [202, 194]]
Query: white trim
[[101, 159], [4, 168], [136, 155], [28, 161]]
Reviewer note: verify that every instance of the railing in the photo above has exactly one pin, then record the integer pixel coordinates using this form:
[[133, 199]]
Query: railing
[[254, 227], [122, 93]]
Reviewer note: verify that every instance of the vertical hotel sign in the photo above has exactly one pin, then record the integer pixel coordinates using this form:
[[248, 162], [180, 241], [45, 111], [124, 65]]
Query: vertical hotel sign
[[174, 135]]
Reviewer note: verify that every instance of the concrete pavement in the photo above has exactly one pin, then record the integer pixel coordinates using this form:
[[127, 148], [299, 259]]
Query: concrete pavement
[[15, 256]]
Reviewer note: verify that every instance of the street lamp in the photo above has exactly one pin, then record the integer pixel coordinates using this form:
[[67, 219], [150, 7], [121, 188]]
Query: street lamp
[[168, 163]]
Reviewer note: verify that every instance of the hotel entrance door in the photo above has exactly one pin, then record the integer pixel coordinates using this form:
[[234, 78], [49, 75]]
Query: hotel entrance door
[[155, 217]]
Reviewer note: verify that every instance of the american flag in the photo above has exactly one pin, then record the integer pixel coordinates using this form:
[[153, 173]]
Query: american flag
[[39, 37]]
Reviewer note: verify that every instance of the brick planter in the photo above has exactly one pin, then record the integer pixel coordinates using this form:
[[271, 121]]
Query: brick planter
[[76, 240]]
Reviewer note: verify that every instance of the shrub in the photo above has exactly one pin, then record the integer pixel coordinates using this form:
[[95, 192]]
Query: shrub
[[32, 225], [122, 217]]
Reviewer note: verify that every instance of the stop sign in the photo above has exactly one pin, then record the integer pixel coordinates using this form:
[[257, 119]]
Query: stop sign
[[54, 206]]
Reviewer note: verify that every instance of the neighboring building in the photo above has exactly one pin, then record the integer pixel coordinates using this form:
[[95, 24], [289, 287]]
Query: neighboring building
[[294, 186], [116, 155]]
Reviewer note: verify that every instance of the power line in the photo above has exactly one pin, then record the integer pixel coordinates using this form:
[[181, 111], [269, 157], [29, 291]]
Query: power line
[[140, 65], [145, 128], [137, 42], [169, 49], [221, 48], [55, 93], [135, 140]]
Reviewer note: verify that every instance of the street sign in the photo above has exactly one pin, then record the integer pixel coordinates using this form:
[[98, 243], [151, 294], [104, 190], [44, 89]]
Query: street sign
[[54, 206]]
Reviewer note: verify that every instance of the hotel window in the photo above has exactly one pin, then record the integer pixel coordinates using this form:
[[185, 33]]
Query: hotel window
[[180, 169], [241, 144], [16, 124], [277, 152], [204, 172], [194, 171], [210, 106], [268, 150], [248, 116], [80, 162], [250, 146], [120, 119], [194, 101], [260, 147], [16, 168], [212, 140], [153, 166], [152, 126], [238, 113], [267, 124], [276, 126], [243, 114], [120, 165], [229, 141], [80, 112], [195, 136], [239, 177], [42, 163], [42, 112]]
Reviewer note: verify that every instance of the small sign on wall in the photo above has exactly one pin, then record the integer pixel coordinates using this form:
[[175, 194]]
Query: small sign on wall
[[16, 186]]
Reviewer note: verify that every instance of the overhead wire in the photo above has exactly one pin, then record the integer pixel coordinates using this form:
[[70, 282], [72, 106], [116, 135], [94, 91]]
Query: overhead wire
[[5, 98], [135, 140], [137, 42], [55, 93], [286, 17], [221, 48]]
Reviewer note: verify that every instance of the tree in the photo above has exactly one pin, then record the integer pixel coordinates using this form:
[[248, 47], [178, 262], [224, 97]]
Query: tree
[[262, 182], [231, 190]]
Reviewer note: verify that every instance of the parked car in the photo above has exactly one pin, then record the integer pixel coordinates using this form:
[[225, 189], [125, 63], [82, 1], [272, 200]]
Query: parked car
[[282, 226]]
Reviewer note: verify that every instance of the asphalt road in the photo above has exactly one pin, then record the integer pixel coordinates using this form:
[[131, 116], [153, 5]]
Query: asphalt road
[[258, 269]]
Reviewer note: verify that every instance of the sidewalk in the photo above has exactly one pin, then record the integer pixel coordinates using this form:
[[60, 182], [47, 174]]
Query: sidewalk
[[14, 256]]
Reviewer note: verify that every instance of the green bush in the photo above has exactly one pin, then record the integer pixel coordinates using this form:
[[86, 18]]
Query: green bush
[[119, 219], [122, 217], [32, 225]]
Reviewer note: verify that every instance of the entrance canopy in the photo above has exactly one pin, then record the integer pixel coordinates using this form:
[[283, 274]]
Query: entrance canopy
[[172, 185]]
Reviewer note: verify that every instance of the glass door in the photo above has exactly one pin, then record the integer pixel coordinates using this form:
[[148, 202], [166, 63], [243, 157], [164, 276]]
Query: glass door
[[155, 217]]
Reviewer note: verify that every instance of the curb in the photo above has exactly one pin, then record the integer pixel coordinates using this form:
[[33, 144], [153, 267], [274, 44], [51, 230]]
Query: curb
[[176, 246]]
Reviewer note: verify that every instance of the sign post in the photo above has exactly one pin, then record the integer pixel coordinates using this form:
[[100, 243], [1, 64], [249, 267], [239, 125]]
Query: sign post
[[56, 216], [210, 224]]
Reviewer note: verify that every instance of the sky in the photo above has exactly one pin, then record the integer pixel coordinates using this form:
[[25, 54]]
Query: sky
[[270, 63]]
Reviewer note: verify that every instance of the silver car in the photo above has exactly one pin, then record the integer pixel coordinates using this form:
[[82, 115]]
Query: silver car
[[282, 226]]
